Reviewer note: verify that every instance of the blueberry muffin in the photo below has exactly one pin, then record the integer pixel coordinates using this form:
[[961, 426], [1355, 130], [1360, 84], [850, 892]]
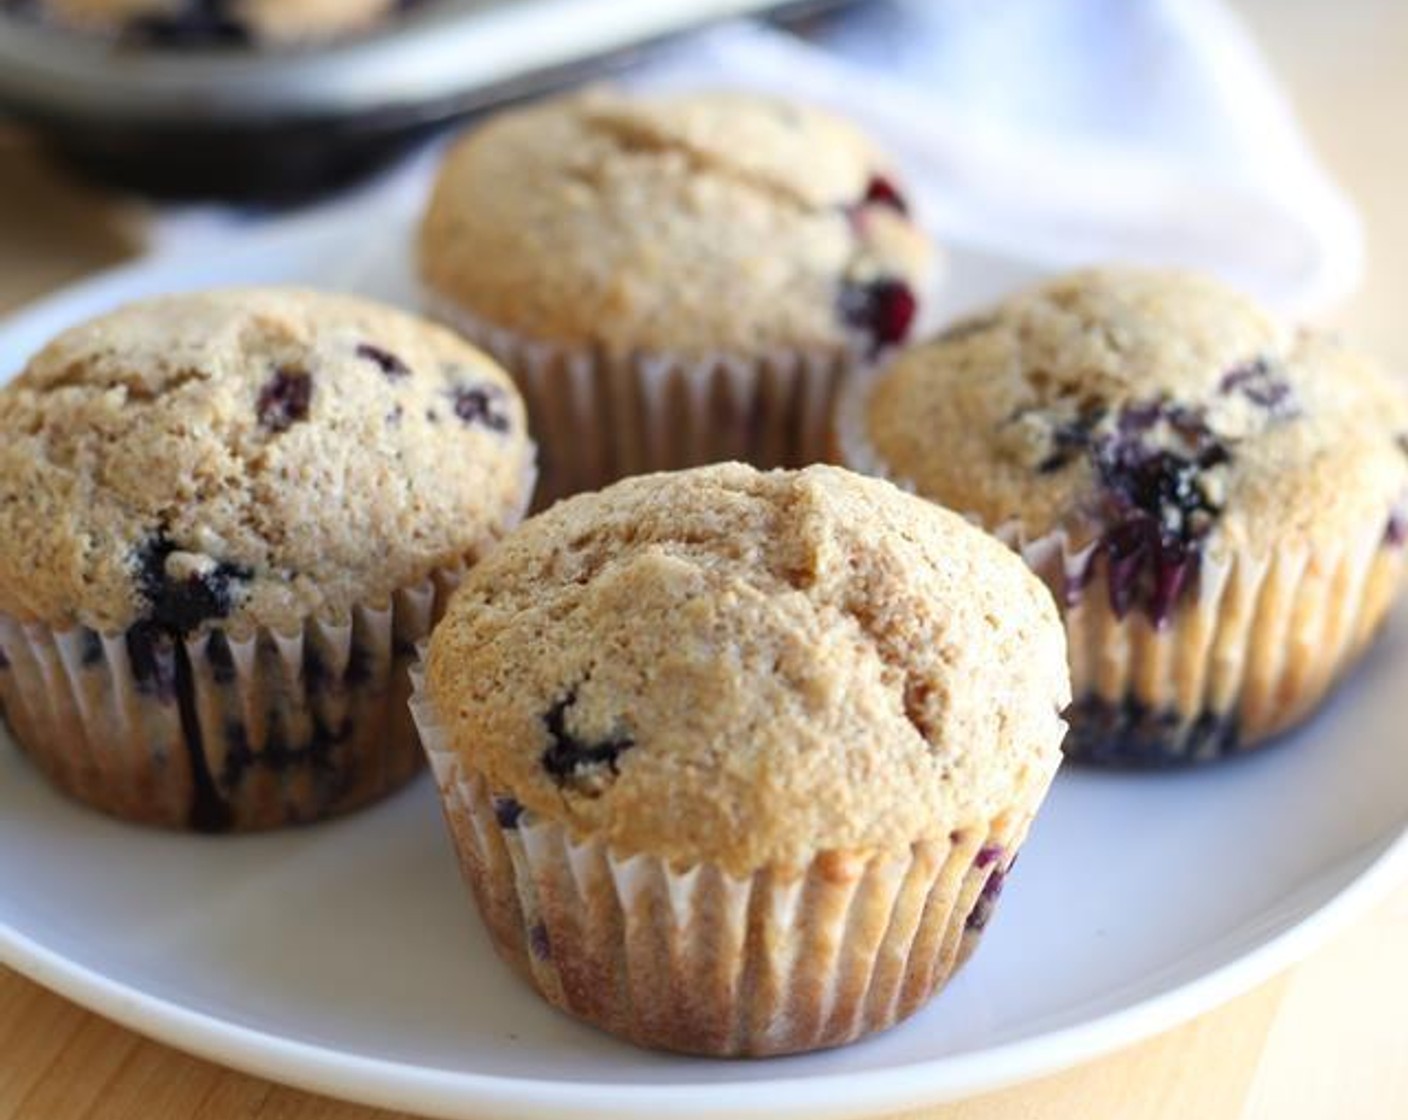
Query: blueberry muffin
[[225, 521], [736, 762], [203, 23], [673, 279], [1216, 498]]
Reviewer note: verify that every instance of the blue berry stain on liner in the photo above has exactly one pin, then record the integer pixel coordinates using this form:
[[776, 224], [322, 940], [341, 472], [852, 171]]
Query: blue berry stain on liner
[[176, 605], [982, 910], [91, 651], [1130, 734], [508, 811]]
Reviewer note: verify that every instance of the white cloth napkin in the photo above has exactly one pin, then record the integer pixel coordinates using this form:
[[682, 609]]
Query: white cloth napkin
[[1064, 131]]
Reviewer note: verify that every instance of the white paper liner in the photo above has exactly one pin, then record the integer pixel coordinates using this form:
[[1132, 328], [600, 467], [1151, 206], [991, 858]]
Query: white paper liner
[[701, 961], [599, 418], [1251, 651], [1247, 653], [220, 734]]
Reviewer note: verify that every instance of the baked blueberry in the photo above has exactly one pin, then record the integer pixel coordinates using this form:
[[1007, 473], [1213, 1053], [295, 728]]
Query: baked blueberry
[[1187, 473], [1263, 385], [575, 763], [649, 242], [1155, 505], [881, 310], [481, 406], [284, 400], [207, 478], [881, 191], [182, 590], [389, 364], [750, 713], [539, 942]]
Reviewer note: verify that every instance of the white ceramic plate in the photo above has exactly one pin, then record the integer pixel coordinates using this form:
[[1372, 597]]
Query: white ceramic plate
[[346, 958]]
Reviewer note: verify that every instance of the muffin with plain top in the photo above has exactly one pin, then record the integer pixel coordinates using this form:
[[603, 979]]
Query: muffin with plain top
[[736, 762]]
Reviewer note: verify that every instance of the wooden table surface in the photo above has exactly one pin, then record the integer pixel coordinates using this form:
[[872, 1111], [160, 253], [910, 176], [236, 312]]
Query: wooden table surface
[[1323, 1040]]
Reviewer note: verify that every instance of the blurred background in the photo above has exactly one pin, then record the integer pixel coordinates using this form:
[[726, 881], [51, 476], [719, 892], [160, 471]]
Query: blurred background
[[1257, 138], [1212, 133]]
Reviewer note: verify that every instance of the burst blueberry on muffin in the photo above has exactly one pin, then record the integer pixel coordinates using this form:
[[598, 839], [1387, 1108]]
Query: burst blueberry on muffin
[[673, 279], [1216, 498], [225, 521], [737, 762]]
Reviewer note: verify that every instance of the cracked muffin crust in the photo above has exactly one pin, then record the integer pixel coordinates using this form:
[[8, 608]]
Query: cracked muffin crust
[[743, 668], [696, 732], [226, 519], [201, 23], [1164, 429], [684, 224]]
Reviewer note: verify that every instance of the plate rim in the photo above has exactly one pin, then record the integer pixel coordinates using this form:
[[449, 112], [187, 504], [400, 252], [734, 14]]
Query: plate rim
[[458, 1094], [1372, 872]]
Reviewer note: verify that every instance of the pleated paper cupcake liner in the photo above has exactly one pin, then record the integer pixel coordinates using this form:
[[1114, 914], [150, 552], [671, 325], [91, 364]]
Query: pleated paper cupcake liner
[[1249, 650], [217, 733], [599, 418], [698, 960]]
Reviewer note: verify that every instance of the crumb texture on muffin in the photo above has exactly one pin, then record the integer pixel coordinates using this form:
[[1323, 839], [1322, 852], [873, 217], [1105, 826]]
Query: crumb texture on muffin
[[256, 456], [690, 224], [1157, 413], [747, 668]]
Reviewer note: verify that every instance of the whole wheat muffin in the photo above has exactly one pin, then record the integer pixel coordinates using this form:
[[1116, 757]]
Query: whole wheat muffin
[[736, 762], [1216, 497], [225, 520], [673, 279]]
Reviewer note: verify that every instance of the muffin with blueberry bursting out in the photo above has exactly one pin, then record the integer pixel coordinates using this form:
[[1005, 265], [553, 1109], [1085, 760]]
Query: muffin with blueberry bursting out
[[1216, 498], [736, 763], [673, 279], [226, 519]]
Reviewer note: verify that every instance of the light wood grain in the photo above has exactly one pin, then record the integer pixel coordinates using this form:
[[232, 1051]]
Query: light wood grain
[[1323, 1041], [53, 230]]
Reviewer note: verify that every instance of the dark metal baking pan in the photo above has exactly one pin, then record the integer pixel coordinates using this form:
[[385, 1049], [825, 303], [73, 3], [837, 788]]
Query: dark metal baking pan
[[276, 125]]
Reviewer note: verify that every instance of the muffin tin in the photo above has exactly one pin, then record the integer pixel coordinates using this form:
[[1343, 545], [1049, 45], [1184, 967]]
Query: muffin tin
[[279, 124]]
